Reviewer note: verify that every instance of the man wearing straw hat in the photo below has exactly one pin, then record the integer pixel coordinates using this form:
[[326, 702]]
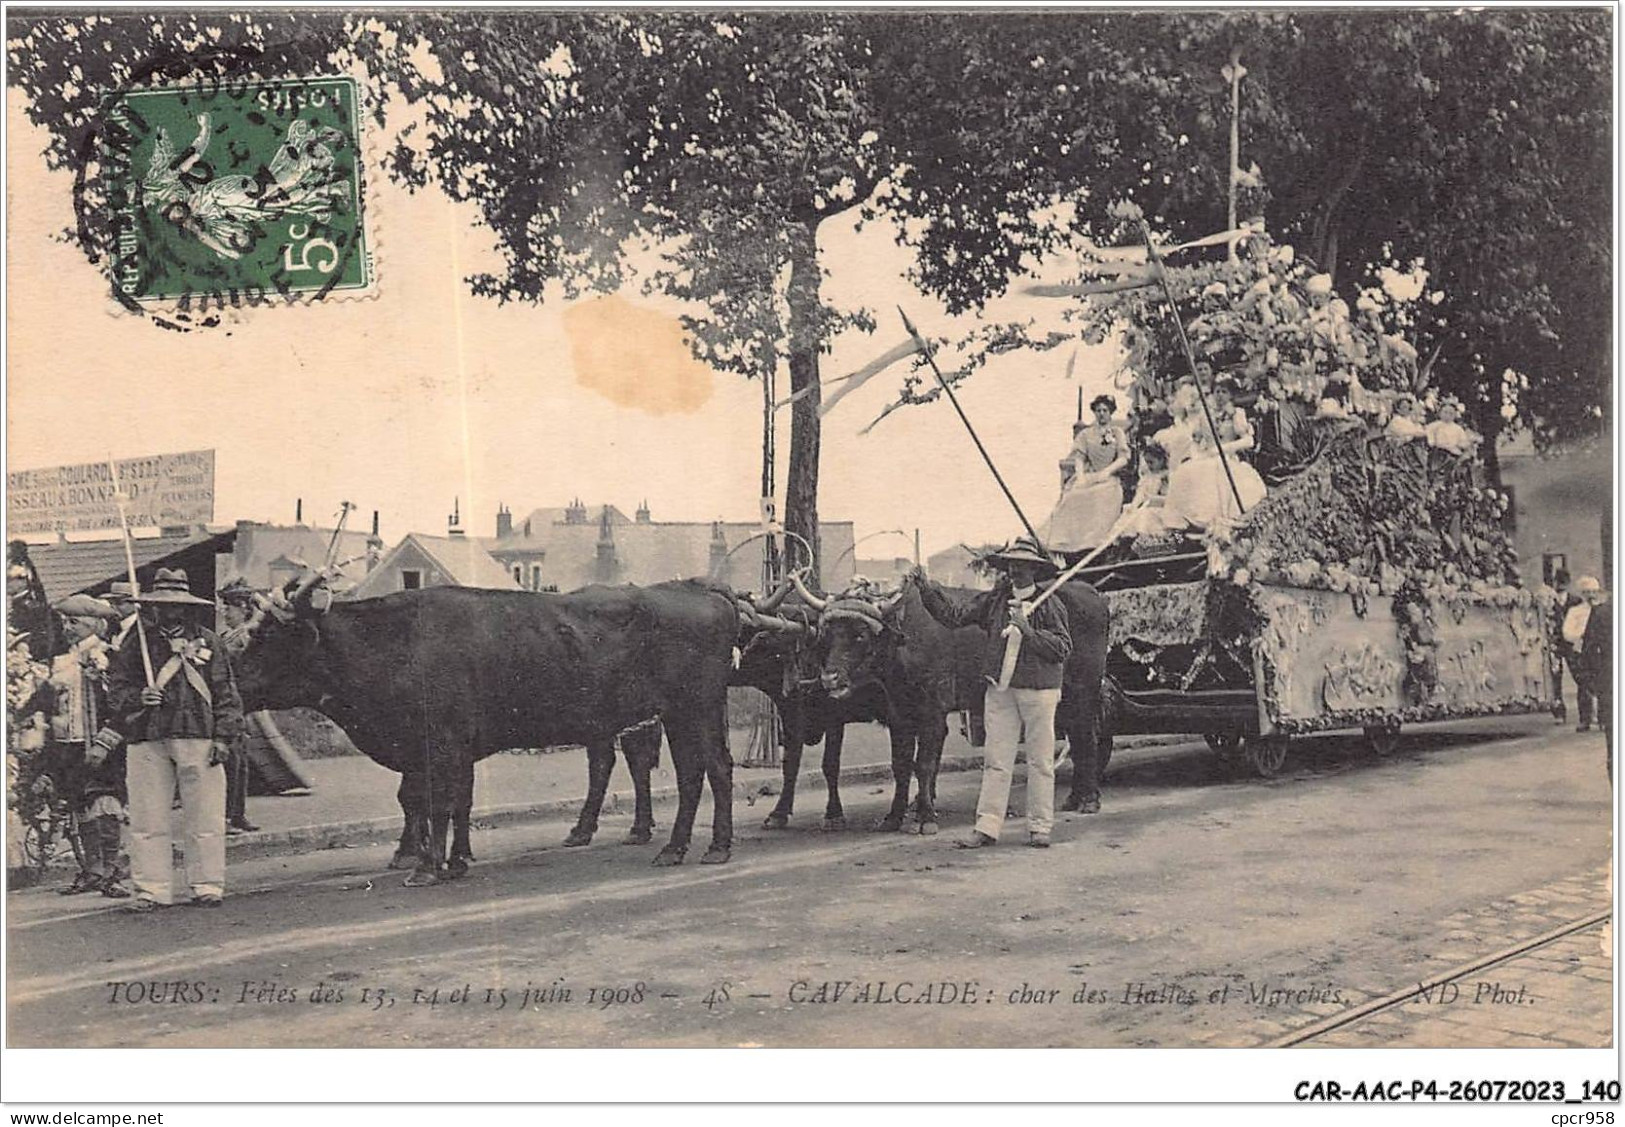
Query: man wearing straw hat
[[1021, 693], [179, 727]]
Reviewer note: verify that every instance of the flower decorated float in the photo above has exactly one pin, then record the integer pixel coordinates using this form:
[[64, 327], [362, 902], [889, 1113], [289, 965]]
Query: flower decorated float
[[1370, 586]]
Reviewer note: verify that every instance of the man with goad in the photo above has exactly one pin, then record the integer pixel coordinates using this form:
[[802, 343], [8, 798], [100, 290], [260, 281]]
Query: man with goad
[[179, 728], [1023, 659]]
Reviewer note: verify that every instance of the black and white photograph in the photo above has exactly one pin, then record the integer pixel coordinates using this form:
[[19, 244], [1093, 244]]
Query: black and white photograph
[[811, 528]]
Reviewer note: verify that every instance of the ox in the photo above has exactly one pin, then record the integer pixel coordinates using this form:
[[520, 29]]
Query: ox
[[897, 645], [785, 666], [426, 682], [921, 672]]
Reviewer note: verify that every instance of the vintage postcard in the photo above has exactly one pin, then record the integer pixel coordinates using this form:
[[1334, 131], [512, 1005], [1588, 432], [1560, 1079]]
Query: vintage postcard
[[855, 529]]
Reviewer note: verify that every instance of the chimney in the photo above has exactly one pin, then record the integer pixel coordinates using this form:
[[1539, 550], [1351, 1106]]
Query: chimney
[[299, 510], [719, 549], [608, 566], [504, 521], [642, 516], [454, 526], [375, 523], [576, 513]]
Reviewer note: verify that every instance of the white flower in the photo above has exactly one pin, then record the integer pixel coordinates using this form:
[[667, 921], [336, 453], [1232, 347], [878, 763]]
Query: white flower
[[1242, 577], [1320, 285], [1403, 287]]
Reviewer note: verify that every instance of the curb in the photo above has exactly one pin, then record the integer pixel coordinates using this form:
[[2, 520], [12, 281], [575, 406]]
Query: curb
[[340, 835]]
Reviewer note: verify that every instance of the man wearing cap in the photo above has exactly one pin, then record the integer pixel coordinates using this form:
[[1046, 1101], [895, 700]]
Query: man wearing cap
[[236, 608], [122, 599], [179, 728], [1024, 693], [86, 772]]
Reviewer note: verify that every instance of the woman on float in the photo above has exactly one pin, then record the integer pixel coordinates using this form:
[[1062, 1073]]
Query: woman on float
[[1199, 492], [1235, 429], [1093, 496], [1149, 517]]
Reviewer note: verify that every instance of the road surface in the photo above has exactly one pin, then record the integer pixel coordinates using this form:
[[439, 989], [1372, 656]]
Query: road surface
[[1196, 909]]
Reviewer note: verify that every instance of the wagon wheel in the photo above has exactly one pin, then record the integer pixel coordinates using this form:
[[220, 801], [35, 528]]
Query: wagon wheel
[[1264, 755], [1226, 745], [1382, 739]]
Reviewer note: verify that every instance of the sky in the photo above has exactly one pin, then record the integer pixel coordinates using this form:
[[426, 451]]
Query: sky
[[422, 393]]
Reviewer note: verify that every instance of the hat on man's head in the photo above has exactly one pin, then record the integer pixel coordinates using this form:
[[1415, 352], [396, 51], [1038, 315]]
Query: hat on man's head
[[84, 606], [1022, 550], [170, 585]]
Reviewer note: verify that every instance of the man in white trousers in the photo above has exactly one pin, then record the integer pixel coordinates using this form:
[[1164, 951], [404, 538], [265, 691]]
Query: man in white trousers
[[179, 729], [1024, 695]]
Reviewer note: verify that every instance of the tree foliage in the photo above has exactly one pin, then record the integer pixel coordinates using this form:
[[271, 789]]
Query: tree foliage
[[715, 145]]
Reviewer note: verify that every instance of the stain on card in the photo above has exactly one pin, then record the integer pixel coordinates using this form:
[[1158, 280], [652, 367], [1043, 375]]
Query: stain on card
[[636, 356]]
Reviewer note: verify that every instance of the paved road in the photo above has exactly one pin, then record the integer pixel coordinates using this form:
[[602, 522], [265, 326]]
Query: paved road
[[1195, 910]]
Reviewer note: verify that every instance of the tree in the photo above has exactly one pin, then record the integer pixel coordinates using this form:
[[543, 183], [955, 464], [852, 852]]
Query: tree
[[723, 144], [1478, 141], [719, 144]]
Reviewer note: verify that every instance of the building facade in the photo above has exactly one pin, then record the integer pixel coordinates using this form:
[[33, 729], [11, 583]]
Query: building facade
[[1562, 504], [570, 547]]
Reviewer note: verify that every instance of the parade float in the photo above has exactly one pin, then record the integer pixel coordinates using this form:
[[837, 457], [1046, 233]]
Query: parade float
[[1373, 586]]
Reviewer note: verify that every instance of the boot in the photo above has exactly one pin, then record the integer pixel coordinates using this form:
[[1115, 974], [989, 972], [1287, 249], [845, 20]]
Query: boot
[[108, 832]]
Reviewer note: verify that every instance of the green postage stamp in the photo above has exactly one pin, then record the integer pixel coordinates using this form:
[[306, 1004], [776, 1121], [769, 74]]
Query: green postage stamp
[[237, 192]]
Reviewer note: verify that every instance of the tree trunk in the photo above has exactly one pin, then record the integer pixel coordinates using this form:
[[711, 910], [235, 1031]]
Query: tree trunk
[[1487, 421], [801, 483]]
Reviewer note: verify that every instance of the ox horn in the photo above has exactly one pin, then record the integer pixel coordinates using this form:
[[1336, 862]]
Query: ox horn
[[890, 604], [807, 596], [782, 625], [772, 603]]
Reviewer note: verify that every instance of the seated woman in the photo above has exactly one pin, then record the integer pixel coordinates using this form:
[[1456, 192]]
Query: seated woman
[[1199, 491], [1175, 439], [1091, 501], [1405, 426], [1149, 517], [1446, 432], [1235, 429]]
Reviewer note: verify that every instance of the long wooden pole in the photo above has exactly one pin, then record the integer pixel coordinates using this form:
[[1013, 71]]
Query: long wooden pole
[[129, 563], [952, 398], [1235, 71], [1190, 360]]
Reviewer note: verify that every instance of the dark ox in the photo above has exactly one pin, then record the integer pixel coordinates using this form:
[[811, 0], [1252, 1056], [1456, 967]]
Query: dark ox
[[921, 672], [427, 682], [786, 667], [898, 646]]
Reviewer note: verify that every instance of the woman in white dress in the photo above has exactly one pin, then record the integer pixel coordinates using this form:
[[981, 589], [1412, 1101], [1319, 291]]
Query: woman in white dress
[[1199, 491], [1447, 433], [1092, 499], [1149, 517]]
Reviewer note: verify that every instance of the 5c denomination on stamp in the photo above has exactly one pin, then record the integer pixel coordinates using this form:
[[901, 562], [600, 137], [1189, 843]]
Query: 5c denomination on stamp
[[236, 192]]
